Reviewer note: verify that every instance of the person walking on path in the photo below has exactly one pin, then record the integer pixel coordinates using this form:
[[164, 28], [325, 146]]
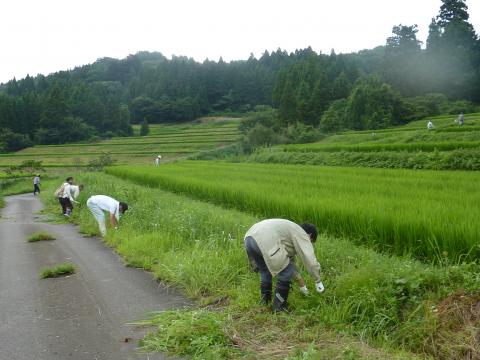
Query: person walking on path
[[100, 203], [36, 184], [271, 247]]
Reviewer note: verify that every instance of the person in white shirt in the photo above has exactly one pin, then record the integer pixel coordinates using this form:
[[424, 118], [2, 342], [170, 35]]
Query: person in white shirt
[[36, 184], [66, 194], [430, 125], [461, 119], [63, 196], [70, 193], [100, 203], [157, 160]]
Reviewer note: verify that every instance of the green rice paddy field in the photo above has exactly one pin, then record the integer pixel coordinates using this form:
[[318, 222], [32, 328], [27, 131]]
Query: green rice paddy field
[[170, 141], [425, 214]]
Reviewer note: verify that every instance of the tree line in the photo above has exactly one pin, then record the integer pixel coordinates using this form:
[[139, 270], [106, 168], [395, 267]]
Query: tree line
[[390, 84]]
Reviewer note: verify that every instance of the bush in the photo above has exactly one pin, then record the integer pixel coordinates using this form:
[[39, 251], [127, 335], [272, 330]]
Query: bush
[[104, 160], [10, 141]]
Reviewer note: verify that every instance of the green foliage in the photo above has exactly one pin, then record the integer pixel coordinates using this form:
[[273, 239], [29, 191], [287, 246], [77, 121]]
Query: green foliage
[[197, 333], [461, 159], [144, 129], [105, 159], [226, 152], [373, 105], [263, 127], [57, 271], [10, 141], [40, 236], [13, 186], [335, 118]]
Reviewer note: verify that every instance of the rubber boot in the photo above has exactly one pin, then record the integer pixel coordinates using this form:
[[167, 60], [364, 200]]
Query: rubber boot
[[266, 293], [280, 298]]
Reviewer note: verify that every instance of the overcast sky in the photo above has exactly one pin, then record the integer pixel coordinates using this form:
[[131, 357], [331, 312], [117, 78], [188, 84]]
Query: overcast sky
[[44, 36]]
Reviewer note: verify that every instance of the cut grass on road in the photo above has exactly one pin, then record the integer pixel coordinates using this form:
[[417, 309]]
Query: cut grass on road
[[58, 271], [40, 236]]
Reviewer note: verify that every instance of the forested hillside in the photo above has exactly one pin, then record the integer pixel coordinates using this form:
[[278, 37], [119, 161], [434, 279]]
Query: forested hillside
[[391, 84]]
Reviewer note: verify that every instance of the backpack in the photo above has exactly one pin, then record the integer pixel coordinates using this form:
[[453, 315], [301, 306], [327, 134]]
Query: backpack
[[59, 192]]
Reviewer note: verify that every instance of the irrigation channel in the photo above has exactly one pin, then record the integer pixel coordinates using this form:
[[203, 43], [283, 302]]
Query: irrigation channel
[[82, 316]]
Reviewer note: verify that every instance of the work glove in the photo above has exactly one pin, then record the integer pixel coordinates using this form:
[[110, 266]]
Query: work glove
[[319, 287], [304, 290]]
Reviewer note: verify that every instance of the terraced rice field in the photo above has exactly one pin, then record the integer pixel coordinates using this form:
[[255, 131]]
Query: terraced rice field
[[170, 141], [446, 136]]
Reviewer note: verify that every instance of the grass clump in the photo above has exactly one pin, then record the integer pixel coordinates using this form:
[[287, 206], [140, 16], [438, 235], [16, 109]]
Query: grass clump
[[195, 333], [57, 271], [40, 236]]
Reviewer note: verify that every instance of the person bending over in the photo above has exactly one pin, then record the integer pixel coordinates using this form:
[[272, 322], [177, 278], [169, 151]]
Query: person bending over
[[271, 246], [100, 203]]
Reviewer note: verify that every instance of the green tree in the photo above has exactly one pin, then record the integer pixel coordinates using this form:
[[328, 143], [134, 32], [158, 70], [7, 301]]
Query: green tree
[[144, 128], [334, 119], [453, 52], [373, 105], [55, 109], [402, 61]]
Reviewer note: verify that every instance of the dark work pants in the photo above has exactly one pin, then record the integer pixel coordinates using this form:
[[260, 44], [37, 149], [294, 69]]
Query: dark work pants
[[36, 189], [255, 255], [66, 204]]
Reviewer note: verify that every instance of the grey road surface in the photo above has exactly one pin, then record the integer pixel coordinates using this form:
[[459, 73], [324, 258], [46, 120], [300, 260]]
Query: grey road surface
[[83, 316]]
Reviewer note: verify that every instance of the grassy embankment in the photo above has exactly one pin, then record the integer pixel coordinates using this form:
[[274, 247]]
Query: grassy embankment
[[448, 146], [171, 141], [13, 185], [375, 306]]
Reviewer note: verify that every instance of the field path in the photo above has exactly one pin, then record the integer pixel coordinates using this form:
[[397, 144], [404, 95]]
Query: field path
[[82, 316]]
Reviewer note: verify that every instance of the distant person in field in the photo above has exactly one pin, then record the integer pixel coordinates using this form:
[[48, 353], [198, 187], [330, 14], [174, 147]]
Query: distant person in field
[[271, 247], [461, 119], [430, 125], [100, 203], [157, 160], [36, 184]]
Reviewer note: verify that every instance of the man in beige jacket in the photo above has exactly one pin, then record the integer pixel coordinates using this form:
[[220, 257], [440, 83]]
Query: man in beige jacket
[[271, 247]]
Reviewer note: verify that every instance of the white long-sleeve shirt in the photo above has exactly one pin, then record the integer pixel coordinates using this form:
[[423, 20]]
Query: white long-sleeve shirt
[[70, 191]]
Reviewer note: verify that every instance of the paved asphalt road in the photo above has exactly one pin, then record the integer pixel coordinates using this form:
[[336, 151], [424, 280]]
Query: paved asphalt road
[[82, 316]]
